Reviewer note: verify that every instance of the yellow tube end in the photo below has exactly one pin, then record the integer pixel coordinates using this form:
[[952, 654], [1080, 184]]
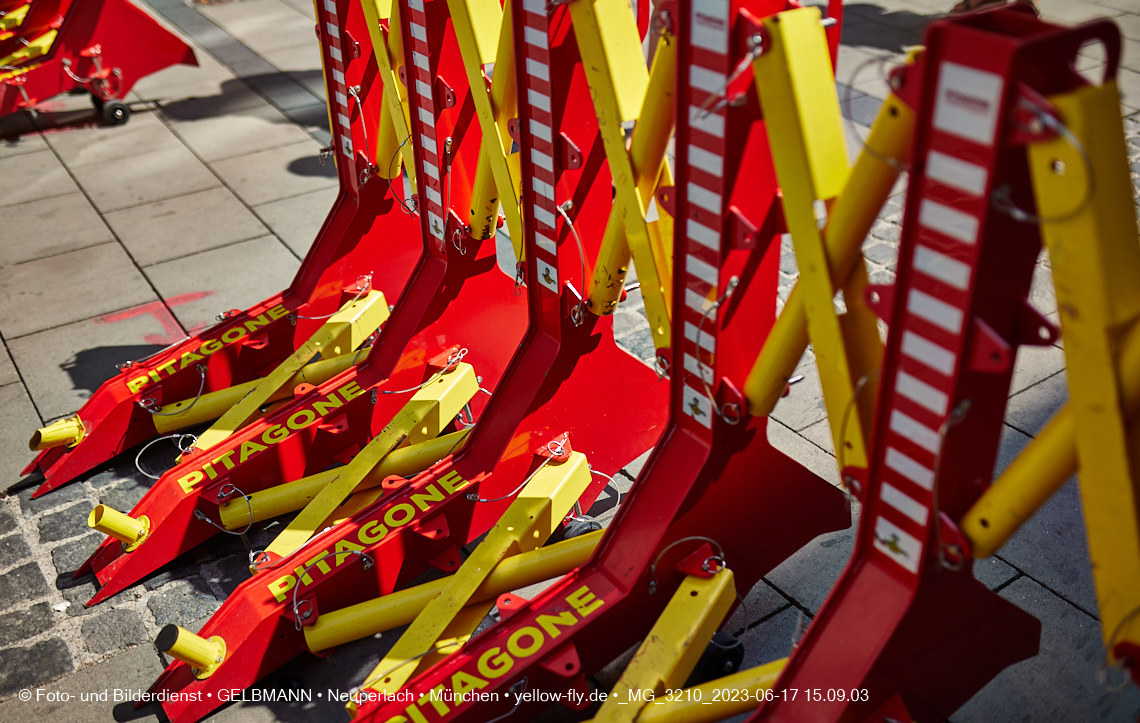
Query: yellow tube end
[[124, 528], [202, 655], [62, 432]]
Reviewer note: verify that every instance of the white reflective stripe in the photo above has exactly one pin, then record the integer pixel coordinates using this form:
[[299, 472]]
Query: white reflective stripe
[[343, 120], [341, 98], [534, 37], [698, 369], [907, 426], [949, 221], [703, 306], [538, 7], [927, 352], [416, 5], [543, 188], [956, 173], [538, 100], [420, 61], [710, 123], [707, 80], [910, 469], [540, 130], [706, 161], [709, 25], [706, 341], [696, 405], [426, 117], [330, 7], [433, 195], [537, 69], [543, 216], [940, 266], [934, 310], [904, 503], [333, 31], [705, 272], [895, 543], [435, 225], [428, 144], [922, 393], [703, 235], [704, 198], [430, 170], [334, 51], [423, 89], [419, 32], [967, 101], [541, 159], [338, 76], [546, 244]]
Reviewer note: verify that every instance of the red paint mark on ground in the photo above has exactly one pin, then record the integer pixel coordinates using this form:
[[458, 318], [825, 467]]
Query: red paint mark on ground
[[173, 331]]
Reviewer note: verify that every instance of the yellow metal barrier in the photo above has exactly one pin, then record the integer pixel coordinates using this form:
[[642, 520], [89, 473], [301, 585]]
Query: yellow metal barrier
[[202, 655], [699, 704]]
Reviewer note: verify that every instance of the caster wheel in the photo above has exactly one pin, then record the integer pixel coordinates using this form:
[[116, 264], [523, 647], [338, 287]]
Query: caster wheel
[[115, 112]]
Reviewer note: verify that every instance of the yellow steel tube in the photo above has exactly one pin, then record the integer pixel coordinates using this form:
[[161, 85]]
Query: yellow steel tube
[[203, 655], [124, 528], [699, 707], [57, 434], [1044, 465], [849, 222], [400, 608], [212, 405], [291, 496]]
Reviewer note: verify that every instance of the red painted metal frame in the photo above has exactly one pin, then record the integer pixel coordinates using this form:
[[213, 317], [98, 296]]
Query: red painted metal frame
[[563, 378], [366, 232], [706, 476], [901, 622]]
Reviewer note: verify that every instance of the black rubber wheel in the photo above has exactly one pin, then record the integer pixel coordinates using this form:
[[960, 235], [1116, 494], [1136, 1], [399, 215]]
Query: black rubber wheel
[[115, 112]]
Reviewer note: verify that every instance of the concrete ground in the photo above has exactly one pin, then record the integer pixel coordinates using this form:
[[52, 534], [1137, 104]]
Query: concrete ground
[[117, 241]]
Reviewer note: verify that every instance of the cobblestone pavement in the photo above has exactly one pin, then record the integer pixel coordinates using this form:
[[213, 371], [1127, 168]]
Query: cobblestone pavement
[[217, 173]]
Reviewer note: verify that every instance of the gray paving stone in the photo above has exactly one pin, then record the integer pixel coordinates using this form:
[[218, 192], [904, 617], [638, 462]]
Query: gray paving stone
[[99, 144], [278, 173], [993, 572], [24, 583], [176, 227], [1059, 684], [1030, 410], [296, 221], [1071, 12], [226, 272], [807, 576], [97, 279], [8, 373], [181, 568], [179, 83], [282, 91], [24, 624], [184, 600], [640, 344], [18, 145], [41, 175], [64, 366], [132, 670], [66, 524], [28, 667], [58, 497], [144, 177], [633, 469], [759, 603], [13, 549], [803, 451], [112, 630], [773, 638], [20, 420], [803, 406], [67, 558], [80, 592], [123, 496], [262, 24], [314, 119], [50, 226], [229, 573], [7, 519], [1035, 363], [225, 136]]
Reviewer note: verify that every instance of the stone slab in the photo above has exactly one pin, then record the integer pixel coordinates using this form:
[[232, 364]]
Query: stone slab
[[225, 136], [144, 177], [17, 144], [133, 670], [65, 524], [98, 280], [32, 666], [773, 638], [1029, 410], [808, 575], [13, 549], [99, 144], [50, 226], [64, 366], [177, 227], [68, 557], [8, 373], [23, 624], [112, 630], [226, 273], [20, 420], [298, 220], [40, 175], [60, 497], [22, 584], [179, 83], [183, 600], [278, 173]]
